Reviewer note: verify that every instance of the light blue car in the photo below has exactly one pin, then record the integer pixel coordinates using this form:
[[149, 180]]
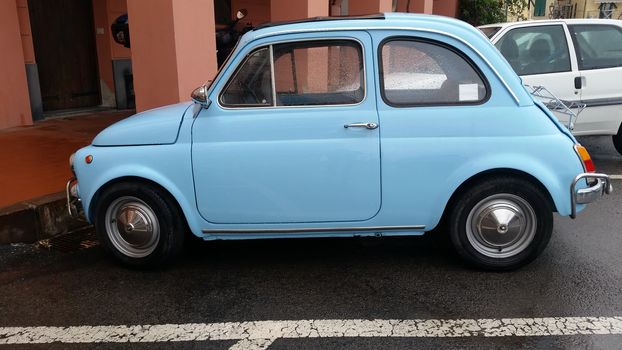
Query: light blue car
[[386, 125]]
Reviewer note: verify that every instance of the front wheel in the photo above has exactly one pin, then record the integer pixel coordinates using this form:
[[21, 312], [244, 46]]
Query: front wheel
[[501, 224], [139, 224]]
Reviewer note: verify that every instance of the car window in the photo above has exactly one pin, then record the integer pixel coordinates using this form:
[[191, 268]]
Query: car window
[[318, 73], [416, 72], [490, 31], [599, 46], [536, 49], [251, 84]]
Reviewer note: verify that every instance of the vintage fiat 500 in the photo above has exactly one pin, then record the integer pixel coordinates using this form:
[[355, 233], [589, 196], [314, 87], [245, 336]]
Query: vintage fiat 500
[[379, 126]]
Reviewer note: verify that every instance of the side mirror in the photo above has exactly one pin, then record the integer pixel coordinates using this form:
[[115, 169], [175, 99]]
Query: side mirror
[[241, 14], [199, 95]]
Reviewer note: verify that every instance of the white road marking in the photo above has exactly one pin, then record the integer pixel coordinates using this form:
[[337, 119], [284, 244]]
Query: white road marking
[[260, 334], [615, 177]]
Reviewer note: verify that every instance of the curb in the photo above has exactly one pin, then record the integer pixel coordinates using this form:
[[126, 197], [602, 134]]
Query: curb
[[36, 219]]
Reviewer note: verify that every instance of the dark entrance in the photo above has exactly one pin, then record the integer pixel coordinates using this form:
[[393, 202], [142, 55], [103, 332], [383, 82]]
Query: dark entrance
[[64, 40]]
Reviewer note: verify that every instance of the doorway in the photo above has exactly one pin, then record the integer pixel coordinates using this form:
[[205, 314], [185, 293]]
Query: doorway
[[64, 41]]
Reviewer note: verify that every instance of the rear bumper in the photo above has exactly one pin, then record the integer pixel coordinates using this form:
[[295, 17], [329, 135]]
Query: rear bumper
[[595, 190]]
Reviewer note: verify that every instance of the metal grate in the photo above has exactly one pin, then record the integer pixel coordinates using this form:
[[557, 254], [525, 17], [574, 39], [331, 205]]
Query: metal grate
[[71, 242]]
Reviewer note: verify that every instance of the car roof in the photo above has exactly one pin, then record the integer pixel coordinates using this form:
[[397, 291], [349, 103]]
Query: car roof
[[555, 21], [319, 19], [448, 27], [369, 22]]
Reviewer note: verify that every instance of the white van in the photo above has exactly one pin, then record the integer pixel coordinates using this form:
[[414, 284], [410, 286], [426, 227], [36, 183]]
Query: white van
[[578, 60]]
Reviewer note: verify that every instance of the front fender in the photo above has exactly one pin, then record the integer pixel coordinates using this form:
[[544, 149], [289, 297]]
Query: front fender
[[168, 166]]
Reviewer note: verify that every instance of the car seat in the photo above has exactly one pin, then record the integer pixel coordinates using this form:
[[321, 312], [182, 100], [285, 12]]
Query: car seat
[[509, 49]]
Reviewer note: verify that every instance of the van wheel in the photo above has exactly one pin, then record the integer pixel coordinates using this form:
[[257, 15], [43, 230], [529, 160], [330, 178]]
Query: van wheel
[[140, 224], [617, 140], [501, 224]]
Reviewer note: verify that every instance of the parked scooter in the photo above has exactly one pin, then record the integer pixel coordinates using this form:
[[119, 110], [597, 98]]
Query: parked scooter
[[226, 34]]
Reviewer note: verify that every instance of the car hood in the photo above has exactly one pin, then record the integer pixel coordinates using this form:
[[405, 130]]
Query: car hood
[[154, 127]]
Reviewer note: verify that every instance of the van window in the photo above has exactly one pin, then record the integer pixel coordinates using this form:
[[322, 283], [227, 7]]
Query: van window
[[598, 45], [536, 49]]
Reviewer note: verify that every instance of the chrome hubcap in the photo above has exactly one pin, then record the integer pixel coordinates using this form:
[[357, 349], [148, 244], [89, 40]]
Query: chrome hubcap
[[501, 226], [132, 227]]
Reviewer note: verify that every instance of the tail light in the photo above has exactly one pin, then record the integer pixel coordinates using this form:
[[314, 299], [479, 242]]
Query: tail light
[[588, 164]]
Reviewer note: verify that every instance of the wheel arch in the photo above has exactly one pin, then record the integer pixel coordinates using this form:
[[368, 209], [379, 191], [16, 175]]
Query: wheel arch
[[132, 179], [491, 173]]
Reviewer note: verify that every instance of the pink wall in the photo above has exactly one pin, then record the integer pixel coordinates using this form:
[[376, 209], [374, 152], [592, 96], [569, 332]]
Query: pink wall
[[446, 8], [105, 12], [283, 10], [366, 7], [14, 100], [417, 6], [102, 41], [25, 31], [114, 9], [170, 55]]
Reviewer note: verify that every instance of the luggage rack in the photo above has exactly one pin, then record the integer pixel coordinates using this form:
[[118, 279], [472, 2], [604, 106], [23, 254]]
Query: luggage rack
[[554, 104]]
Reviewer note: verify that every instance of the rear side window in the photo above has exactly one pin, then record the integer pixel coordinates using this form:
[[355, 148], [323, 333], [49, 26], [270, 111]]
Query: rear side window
[[419, 72], [598, 46], [536, 49]]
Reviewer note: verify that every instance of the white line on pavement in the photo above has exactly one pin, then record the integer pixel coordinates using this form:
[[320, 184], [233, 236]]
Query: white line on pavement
[[615, 177], [260, 334]]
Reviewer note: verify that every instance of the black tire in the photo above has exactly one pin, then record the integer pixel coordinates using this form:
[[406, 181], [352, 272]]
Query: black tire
[[166, 215], [617, 140], [491, 194]]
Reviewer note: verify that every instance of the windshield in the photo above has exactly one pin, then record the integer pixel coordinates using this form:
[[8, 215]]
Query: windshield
[[220, 69], [490, 31]]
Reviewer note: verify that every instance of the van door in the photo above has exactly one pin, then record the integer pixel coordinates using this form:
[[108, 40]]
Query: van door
[[599, 55]]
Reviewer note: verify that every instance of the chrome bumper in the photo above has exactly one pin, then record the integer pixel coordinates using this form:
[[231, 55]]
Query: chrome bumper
[[73, 201], [598, 189]]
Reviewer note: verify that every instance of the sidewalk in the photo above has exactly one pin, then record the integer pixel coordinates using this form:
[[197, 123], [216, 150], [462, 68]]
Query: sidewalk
[[34, 171], [35, 159]]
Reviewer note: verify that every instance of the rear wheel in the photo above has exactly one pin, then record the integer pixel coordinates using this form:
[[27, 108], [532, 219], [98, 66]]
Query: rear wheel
[[501, 224], [139, 224], [617, 140]]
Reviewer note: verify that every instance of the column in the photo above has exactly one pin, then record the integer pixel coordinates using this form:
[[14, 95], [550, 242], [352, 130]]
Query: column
[[14, 99], [173, 49]]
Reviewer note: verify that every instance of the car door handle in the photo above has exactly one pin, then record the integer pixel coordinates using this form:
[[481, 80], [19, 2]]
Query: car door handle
[[578, 83], [369, 126]]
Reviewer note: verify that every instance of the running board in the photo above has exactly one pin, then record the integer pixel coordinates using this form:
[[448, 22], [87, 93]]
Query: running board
[[319, 229]]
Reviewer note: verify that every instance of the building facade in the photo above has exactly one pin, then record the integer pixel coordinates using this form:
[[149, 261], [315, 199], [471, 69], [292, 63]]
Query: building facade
[[545, 9], [59, 55]]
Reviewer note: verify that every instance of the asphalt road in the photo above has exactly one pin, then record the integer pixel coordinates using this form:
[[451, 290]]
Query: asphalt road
[[578, 275]]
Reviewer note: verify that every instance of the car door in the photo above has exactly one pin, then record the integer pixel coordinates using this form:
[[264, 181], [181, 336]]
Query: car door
[[543, 56], [291, 135], [599, 53]]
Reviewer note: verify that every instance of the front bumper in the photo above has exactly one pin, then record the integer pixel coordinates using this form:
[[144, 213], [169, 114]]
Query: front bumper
[[74, 205], [595, 190]]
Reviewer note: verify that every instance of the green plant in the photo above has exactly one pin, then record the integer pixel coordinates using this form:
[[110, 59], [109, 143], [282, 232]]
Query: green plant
[[480, 12]]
